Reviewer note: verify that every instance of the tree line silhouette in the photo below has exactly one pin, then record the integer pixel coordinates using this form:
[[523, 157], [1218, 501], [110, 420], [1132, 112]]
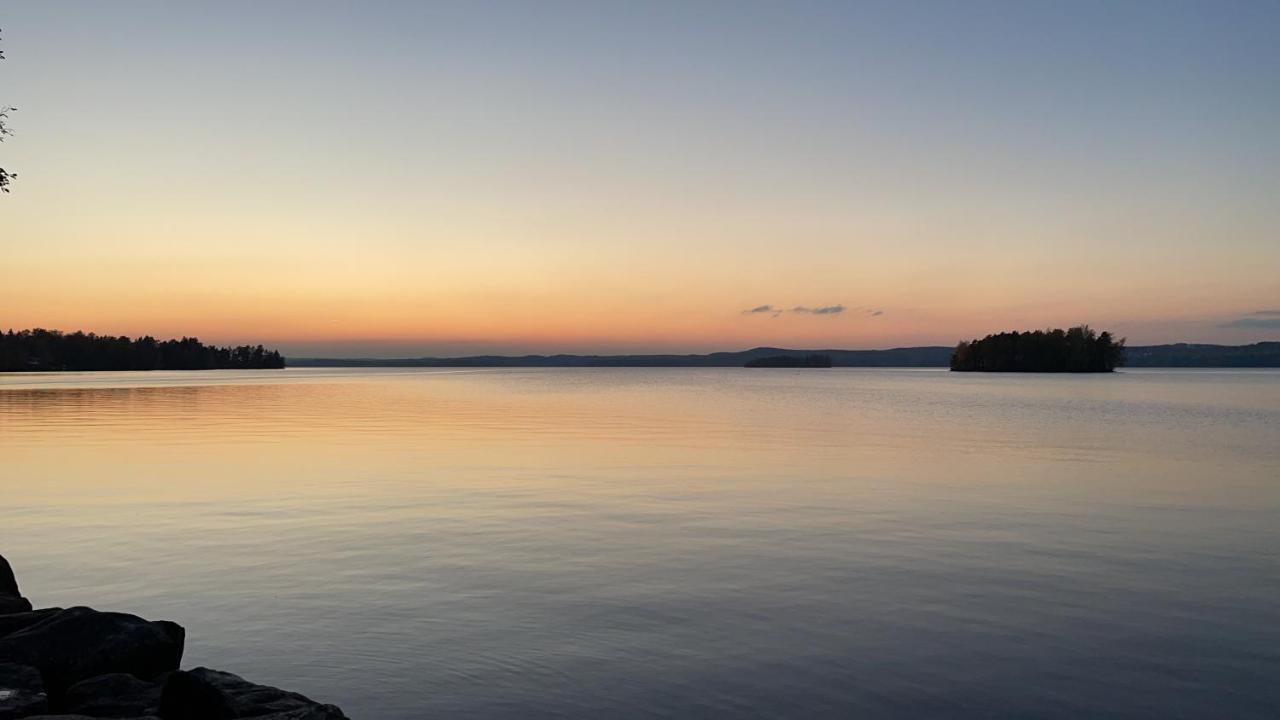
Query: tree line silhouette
[[39, 349], [1078, 349]]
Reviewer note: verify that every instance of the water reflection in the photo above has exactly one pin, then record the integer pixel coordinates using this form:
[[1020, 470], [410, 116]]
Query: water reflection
[[662, 543]]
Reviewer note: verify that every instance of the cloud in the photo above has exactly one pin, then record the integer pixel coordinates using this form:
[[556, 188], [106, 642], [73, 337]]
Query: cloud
[[821, 310], [832, 310], [1257, 321], [763, 310]]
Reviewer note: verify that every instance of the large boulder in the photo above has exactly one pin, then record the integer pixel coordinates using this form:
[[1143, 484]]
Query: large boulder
[[14, 605], [80, 643], [14, 622], [21, 692], [314, 712], [78, 717], [117, 695], [89, 665], [8, 583], [11, 600], [190, 696]]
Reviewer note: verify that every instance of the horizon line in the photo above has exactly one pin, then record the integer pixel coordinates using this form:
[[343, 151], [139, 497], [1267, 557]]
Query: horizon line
[[716, 352]]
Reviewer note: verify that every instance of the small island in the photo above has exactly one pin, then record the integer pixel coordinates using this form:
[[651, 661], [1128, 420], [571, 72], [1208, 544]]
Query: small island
[[1077, 350], [42, 350], [812, 360]]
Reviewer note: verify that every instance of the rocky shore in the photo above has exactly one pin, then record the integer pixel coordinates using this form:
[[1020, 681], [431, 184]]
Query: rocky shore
[[78, 663]]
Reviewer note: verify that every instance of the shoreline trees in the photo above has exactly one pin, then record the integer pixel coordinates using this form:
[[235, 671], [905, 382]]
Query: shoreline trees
[[1077, 350], [46, 350]]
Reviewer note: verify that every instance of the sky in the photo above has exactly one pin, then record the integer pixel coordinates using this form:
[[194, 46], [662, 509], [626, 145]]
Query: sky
[[412, 178]]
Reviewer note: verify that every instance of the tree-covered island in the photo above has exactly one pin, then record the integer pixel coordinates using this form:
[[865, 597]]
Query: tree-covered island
[[43, 350], [1078, 350]]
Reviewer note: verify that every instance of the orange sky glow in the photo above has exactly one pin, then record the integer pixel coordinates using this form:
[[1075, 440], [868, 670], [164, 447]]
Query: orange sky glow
[[577, 191]]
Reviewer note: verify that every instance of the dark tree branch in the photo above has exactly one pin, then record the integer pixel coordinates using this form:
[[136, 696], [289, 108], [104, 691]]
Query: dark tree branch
[[5, 176]]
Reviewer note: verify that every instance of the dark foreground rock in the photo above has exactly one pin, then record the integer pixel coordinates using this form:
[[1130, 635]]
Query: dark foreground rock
[[79, 643], [14, 622], [11, 601], [78, 717], [82, 664], [204, 694], [117, 695], [21, 692], [189, 696], [8, 583]]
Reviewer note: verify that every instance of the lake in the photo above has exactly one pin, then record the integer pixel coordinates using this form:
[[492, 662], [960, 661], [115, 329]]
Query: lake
[[661, 543]]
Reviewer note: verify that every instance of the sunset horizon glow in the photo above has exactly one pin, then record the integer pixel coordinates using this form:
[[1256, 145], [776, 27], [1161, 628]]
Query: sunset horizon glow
[[399, 179]]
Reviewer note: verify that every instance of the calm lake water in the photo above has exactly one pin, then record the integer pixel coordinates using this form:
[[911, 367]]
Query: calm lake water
[[605, 543]]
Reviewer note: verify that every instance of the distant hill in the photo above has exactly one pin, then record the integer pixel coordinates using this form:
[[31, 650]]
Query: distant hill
[[1257, 355], [898, 357], [790, 361], [1265, 354]]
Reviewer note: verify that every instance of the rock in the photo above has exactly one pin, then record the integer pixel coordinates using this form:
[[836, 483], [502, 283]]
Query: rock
[[315, 712], [188, 696], [14, 605], [79, 717], [8, 583], [18, 621], [113, 665], [81, 643], [244, 699], [117, 695], [11, 600], [21, 692]]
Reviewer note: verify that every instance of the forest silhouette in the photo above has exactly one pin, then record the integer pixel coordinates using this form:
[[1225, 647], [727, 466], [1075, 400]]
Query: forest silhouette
[[39, 349], [1077, 350]]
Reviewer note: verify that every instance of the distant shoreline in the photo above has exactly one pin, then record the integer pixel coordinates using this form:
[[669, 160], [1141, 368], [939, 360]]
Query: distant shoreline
[[42, 350], [1256, 355], [52, 351]]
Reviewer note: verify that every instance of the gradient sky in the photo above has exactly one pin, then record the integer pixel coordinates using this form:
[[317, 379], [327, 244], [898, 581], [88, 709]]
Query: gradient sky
[[388, 178]]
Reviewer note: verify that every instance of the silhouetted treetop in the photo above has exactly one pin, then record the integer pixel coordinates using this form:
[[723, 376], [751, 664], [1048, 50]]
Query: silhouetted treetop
[[39, 350], [1078, 349]]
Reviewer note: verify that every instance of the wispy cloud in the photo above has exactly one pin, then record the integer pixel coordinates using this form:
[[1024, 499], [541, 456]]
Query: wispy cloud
[[820, 310], [1258, 321], [827, 310], [763, 310]]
